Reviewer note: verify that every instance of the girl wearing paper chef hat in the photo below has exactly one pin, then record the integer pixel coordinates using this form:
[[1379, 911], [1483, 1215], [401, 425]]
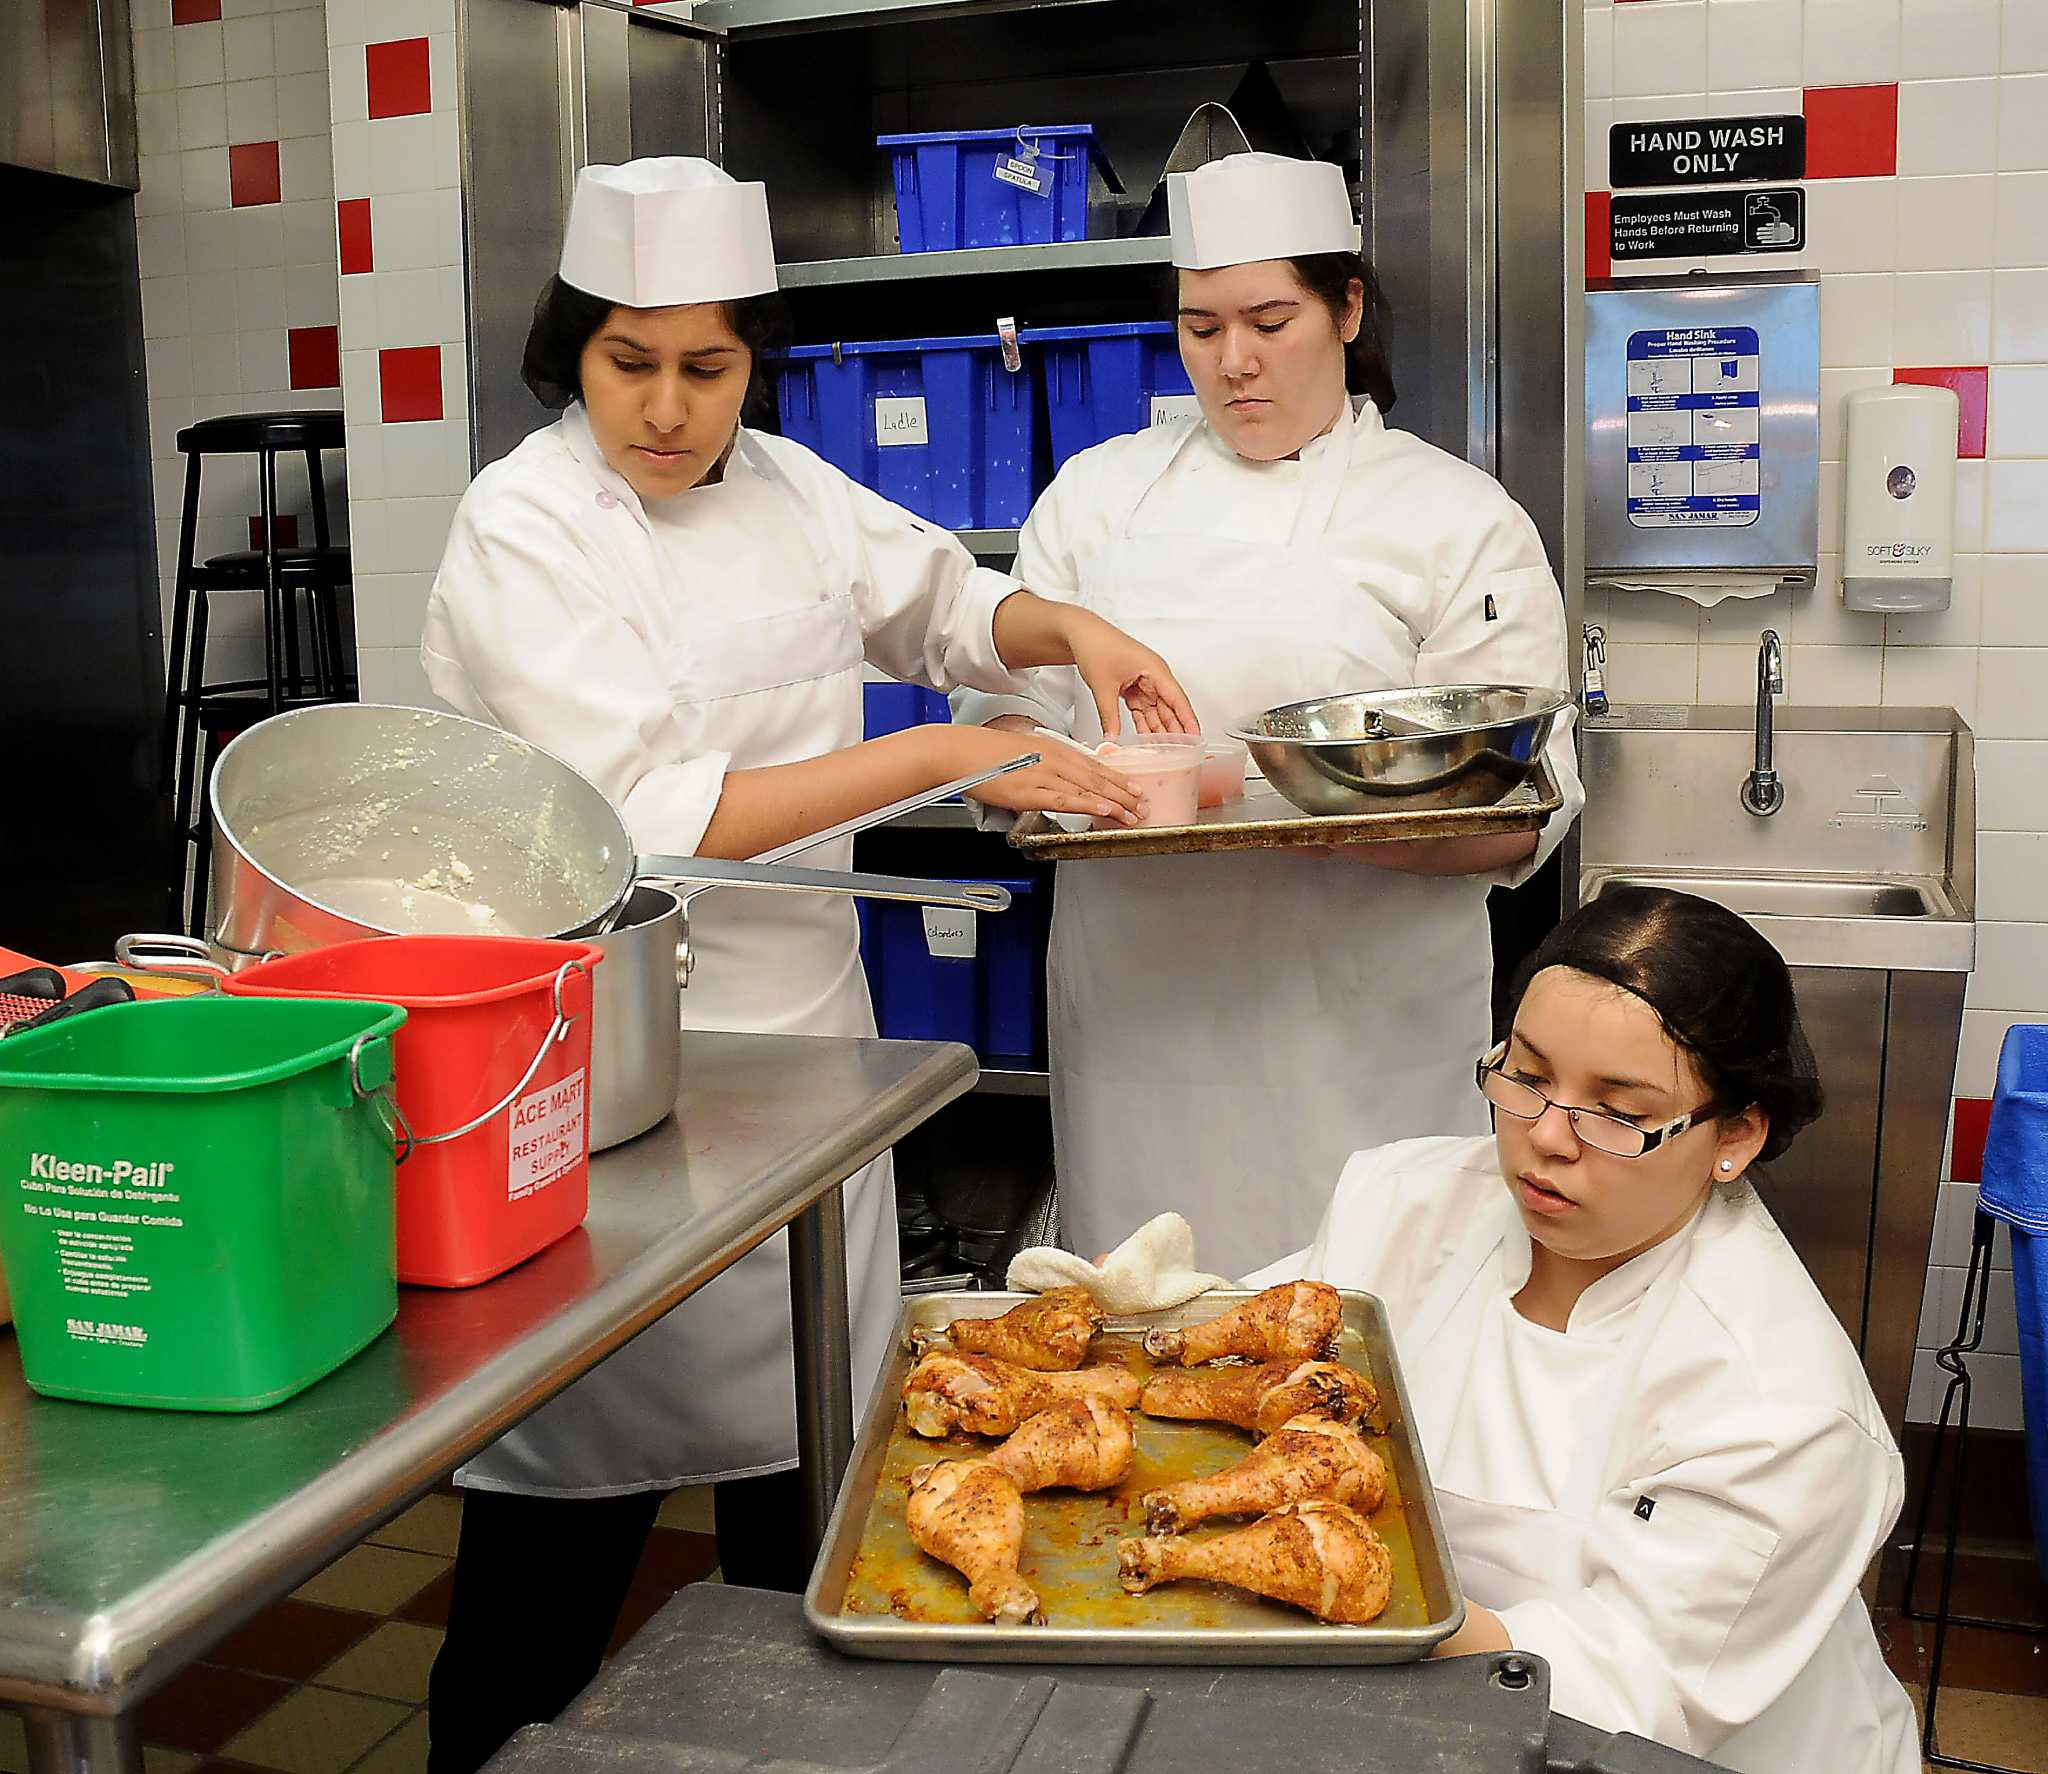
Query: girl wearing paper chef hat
[[681, 607], [1286, 544]]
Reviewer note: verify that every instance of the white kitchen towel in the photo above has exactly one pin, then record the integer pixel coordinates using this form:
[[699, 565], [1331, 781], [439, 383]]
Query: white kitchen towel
[[1706, 588], [1152, 1269]]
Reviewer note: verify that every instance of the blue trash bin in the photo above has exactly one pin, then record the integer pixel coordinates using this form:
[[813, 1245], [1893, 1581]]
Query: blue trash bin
[[925, 989], [2014, 1188], [1102, 381], [893, 707], [1026, 186]]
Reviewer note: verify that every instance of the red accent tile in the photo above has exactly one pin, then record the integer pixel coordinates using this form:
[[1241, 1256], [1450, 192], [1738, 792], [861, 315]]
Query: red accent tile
[[409, 378], [201, 1707], [293, 1639], [252, 174], [1972, 383], [287, 531], [399, 83], [1599, 235], [1966, 1151], [315, 356], [1852, 132], [430, 1606], [352, 218], [194, 12]]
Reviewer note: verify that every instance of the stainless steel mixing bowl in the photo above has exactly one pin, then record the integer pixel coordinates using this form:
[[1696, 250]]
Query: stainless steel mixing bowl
[[1373, 751]]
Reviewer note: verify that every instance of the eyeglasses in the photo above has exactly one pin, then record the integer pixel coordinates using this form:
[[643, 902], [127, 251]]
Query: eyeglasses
[[1594, 1127]]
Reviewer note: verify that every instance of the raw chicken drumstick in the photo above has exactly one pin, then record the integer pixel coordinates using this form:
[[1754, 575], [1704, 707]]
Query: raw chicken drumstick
[[1261, 1398], [989, 1397], [1296, 1321], [970, 1515], [1320, 1556], [1080, 1444], [1310, 1458], [1050, 1333]]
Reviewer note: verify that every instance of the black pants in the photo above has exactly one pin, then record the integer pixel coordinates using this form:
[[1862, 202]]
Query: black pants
[[539, 1582]]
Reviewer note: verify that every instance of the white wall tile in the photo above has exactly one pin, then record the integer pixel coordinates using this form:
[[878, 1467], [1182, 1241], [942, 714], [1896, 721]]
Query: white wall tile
[[301, 42], [1599, 115], [421, 459], [311, 296], [1727, 673], [2012, 785], [203, 172], [365, 455], [1637, 673], [1994, 1389], [1960, 625], [1942, 316], [1829, 504], [160, 245], [2010, 704], [216, 366], [1971, 506], [2022, 237], [1652, 617], [156, 67], [454, 382], [1977, 1063], [1856, 320], [1741, 620], [1852, 224], [249, 51], [160, 188], [1661, 48], [210, 238], [166, 307], [441, 68], [1599, 30], [348, 23], [2023, 123], [197, 56], [2012, 968], [2016, 612], [401, 155], [348, 87], [1939, 38], [361, 397], [156, 122], [166, 419], [454, 306], [259, 235], [1931, 677], [2016, 508], [252, 111], [2019, 410], [1752, 43], [358, 302], [407, 307], [1851, 42], [213, 300], [167, 368], [302, 106], [1955, 1204], [1947, 224], [306, 168], [1948, 126], [350, 143], [395, 675], [2024, 45], [259, 298], [309, 233], [266, 363], [1819, 618], [2019, 315], [202, 116], [2012, 877], [1834, 677]]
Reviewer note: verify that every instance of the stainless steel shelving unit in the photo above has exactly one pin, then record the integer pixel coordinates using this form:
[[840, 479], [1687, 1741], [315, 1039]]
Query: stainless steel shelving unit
[[985, 261]]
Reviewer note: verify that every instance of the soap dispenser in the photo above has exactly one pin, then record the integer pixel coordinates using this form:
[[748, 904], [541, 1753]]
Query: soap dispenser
[[1898, 497]]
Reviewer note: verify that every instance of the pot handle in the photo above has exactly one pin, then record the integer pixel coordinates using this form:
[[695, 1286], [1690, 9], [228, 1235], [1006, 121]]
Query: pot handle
[[701, 874], [159, 952], [882, 815]]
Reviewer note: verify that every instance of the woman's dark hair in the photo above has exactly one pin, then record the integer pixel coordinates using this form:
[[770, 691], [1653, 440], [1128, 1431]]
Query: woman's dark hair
[[565, 318], [1720, 990], [1329, 277]]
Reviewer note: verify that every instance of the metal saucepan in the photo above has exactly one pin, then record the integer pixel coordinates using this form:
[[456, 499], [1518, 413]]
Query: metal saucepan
[[1438, 745]]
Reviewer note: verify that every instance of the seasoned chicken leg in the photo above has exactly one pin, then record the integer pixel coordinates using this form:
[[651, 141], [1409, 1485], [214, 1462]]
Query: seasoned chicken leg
[[1320, 1556], [1050, 1333], [1261, 1398], [1309, 1458], [1296, 1321], [985, 1396], [1079, 1444], [970, 1515]]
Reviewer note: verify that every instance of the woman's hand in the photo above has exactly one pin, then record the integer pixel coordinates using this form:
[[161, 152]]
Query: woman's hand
[[1033, 630], [1066, 779], [1482, 1631]]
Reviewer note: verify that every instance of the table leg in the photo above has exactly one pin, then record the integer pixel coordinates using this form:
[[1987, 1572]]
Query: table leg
[[69, 1743], [824, 1389]]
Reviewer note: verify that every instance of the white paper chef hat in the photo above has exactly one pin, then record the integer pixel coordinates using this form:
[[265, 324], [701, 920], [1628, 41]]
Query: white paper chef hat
[[1248, 207], [656, 233]]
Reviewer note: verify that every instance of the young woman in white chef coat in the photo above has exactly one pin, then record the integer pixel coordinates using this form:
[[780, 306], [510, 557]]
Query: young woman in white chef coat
[[1213, 1018], [1660, 1465], [680, 607]]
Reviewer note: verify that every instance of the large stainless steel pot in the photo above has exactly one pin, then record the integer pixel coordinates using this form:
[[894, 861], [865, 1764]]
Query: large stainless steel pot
[[636, 1017]]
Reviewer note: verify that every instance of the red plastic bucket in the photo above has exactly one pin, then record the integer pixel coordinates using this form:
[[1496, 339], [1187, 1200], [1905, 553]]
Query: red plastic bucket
[[493, 1073]]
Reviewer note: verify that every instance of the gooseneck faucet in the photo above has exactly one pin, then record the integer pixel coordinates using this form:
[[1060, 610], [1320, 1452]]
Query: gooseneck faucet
[[1762, 793]]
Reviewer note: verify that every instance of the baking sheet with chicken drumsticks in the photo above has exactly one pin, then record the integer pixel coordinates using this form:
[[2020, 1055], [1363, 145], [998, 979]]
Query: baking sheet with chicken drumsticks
[[876, 1593]]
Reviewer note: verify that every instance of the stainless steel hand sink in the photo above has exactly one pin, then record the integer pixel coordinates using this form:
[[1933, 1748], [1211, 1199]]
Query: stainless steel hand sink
[[1798, 896]]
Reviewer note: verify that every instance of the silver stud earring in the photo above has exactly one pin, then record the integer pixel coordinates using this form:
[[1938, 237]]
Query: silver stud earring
[[1727, 1164]]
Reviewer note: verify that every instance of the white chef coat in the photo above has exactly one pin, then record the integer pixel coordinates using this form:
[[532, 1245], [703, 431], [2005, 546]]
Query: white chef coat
[[1225, 1029], [1673, 1500], [655, 648]]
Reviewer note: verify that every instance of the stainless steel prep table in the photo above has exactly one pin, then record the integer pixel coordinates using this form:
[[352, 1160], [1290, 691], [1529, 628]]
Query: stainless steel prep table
[[132, 1541]]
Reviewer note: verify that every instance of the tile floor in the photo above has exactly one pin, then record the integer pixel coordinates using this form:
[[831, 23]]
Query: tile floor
[[333, 1680]]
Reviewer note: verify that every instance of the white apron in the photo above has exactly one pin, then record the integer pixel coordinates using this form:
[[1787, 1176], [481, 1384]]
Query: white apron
[[1842, 1714], [772, 674], [1227, 1030]]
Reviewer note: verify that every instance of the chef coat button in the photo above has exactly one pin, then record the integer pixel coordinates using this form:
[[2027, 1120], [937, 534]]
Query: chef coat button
[[607, 502]]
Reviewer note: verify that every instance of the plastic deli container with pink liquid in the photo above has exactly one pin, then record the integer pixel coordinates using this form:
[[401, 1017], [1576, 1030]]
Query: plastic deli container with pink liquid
[[1223, 766], [1167, 768]]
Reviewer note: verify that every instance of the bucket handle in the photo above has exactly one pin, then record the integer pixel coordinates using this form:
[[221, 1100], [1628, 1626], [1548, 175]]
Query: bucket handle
[[557, 1031], [383, 1098]]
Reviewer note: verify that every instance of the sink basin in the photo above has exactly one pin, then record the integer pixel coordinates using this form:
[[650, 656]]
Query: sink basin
[[1795, 896]]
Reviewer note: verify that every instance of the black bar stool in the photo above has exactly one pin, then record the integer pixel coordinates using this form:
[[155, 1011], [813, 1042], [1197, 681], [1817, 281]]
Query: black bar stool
[[196, 706]]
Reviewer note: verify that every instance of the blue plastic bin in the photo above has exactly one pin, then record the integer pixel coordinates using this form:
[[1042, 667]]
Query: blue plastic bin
[[1102, 381], [948, 194], [890, 708], [2014, 1188], [978, 423], [993, 1002]]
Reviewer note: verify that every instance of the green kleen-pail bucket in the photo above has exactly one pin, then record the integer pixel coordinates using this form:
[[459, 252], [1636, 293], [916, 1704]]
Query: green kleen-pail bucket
[[197, 1198]]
